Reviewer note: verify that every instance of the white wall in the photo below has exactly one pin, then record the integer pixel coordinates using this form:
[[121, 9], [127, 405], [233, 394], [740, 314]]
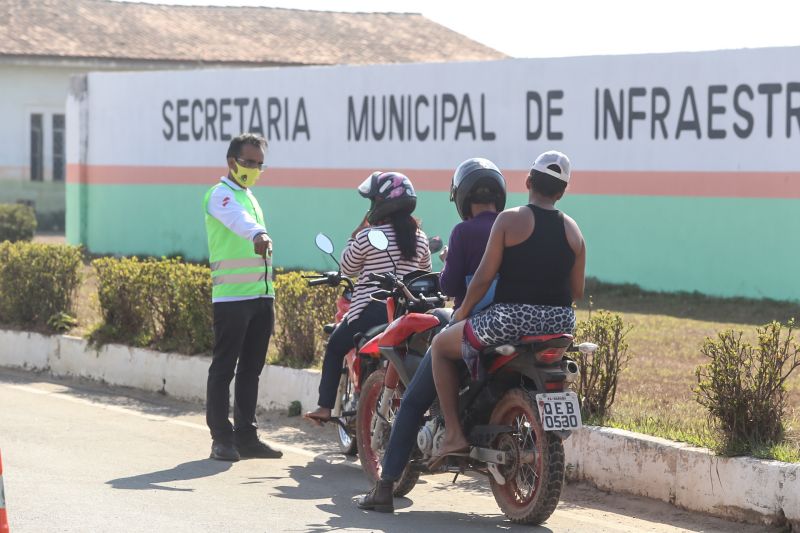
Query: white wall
[[27, 90]]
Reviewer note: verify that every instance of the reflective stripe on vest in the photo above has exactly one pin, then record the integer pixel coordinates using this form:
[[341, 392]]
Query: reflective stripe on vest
[[254, 262], [236, 270], [239, 278]]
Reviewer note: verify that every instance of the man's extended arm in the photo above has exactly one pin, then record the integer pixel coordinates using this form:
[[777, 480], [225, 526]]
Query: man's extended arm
[[223, 206]]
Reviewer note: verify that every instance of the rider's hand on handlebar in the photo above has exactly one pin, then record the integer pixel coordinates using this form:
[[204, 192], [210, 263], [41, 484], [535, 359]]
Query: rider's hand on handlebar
[[443, 253]]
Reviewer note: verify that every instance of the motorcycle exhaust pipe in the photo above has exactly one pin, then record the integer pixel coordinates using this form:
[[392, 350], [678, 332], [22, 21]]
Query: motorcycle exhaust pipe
[[570, 368]]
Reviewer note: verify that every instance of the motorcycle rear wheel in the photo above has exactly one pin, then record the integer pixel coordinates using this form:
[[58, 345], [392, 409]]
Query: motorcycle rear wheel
[[536, 476], [371, 460]]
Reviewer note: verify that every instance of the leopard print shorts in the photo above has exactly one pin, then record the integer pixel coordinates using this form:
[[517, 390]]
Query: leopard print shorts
[[506, 323]]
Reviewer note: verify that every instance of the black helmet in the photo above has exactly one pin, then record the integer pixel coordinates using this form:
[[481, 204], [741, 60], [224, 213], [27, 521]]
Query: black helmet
[[390, 192], [481, 177]]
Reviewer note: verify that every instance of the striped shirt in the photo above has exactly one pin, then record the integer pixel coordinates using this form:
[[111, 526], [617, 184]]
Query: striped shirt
[[360, 258]]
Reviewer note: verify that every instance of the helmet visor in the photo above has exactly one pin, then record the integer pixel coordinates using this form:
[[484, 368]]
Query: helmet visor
[[367, 187]]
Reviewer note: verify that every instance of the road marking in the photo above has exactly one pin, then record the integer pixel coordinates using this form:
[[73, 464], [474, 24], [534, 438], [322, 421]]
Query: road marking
[[64, 395]]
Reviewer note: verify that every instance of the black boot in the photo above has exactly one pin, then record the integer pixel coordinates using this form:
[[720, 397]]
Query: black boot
[[380, 498], [222, 450]]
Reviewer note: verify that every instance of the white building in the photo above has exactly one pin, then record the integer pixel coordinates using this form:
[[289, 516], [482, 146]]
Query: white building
[[44, 42]]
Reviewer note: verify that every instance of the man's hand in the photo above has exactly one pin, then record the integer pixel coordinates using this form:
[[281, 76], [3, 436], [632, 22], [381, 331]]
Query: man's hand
[[262, 245], [459, 315]]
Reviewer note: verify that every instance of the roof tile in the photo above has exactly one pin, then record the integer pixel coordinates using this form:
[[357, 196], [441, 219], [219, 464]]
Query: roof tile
[[259, 35]]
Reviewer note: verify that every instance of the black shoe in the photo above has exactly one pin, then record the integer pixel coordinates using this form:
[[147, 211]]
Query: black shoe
[[257, 449], [380, 498], [224, 451]]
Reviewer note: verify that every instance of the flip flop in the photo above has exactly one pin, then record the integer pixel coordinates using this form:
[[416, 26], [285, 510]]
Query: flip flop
[[437, 461], [316, 419]]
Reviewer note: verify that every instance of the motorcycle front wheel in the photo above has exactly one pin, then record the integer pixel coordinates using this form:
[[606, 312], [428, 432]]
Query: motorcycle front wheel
[[346, 432], [372, 433], [535, 475]]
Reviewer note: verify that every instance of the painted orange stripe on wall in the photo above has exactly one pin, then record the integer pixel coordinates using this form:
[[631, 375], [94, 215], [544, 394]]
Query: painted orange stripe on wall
[[635, 183]]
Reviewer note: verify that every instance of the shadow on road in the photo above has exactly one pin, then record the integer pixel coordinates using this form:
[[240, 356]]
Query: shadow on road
[[183, 472], [319, 480]]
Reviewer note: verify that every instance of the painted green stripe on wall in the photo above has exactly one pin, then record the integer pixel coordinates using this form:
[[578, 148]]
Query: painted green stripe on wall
[[718, 246]]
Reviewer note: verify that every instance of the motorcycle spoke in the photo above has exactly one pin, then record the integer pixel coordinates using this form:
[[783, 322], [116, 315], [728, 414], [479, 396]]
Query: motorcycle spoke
[[526, 478]]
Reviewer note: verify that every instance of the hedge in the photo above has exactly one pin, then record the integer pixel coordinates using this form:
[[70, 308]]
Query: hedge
[[166, 304], [38, 284], [160, 303], [17, 222], [301, 312]]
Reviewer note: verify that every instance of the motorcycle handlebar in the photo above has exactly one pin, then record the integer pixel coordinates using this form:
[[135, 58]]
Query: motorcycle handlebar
[[315, 282]]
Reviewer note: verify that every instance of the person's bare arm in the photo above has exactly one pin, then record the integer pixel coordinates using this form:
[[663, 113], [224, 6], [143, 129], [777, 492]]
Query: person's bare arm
[[577, 276], [487, 270]]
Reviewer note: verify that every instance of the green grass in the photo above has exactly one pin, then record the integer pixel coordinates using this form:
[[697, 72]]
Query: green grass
[[655, 395]]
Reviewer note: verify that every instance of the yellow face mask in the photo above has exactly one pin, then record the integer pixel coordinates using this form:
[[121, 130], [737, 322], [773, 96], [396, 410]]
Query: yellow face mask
[[246, 177]]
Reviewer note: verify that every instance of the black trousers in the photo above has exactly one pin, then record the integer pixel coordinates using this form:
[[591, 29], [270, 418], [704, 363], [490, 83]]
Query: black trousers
[[242, 331]]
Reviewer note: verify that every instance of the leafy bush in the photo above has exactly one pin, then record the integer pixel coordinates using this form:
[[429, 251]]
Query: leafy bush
[[53, 221], [17, 222], [599, 371], [38, 283], [301, 311], [743, 386], [161, 303]]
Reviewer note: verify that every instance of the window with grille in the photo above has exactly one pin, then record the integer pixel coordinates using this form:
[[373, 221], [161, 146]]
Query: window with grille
[[37, 142], [59, 151]]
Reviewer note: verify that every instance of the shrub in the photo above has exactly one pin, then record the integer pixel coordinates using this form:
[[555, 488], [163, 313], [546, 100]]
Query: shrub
[[743, 386], [53, 221], [161, 303], [599, 371], [38, 283], [301, 311], [17, 222]]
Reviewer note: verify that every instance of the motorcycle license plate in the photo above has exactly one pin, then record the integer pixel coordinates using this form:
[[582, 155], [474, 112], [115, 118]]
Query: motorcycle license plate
[[559, 411]]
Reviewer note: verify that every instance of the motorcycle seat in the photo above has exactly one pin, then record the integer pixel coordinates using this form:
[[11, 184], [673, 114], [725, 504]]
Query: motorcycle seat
[[358, 338], [537, 342], [328, 328]]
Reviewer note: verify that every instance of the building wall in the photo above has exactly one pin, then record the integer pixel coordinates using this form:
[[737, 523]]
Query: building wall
[[686, 167], [27, 90]]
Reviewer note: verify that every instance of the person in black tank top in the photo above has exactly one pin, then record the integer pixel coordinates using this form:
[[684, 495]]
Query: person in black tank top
[[540, 256]]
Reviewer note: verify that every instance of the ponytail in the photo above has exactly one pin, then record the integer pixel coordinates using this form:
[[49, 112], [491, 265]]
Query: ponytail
[[405, 231]]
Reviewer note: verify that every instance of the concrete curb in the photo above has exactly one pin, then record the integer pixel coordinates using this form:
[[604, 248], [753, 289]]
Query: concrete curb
[[740, 488]]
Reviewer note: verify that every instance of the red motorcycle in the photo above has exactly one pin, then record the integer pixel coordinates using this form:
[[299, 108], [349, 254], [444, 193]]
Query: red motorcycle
[[515, 415], [355, 369]]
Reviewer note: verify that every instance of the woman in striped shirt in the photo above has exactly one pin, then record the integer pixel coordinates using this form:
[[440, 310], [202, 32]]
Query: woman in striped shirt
[[393, 200]]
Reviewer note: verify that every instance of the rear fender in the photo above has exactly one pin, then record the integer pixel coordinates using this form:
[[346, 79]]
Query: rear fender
[[525, 363], [371, 348]]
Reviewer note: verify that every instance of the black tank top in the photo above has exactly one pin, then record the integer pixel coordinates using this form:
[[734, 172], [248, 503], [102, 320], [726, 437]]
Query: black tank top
[[536, 271]]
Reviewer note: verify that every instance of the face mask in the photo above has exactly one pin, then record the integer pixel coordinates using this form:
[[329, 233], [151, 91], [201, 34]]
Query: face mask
[[246, 177]]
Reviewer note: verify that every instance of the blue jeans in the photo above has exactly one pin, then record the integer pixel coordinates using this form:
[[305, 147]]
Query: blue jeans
[[418, 398]]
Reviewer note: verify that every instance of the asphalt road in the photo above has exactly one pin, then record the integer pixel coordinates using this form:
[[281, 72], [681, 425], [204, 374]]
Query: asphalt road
[[81, 457]]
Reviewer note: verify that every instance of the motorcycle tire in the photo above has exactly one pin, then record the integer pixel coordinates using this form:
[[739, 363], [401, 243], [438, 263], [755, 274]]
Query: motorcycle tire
[[371, 460], [532, 489], [345, 437]]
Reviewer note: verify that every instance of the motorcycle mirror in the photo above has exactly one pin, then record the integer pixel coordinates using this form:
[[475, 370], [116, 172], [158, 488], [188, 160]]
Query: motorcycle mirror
[[435, 244], [378, 239], [324, 243]]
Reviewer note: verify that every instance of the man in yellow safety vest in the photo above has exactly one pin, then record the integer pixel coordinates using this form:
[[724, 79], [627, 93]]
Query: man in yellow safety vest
[[240, 254]]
